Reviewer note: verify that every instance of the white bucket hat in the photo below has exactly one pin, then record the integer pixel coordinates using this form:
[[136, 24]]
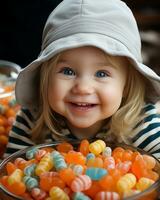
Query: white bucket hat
[[108, 25]]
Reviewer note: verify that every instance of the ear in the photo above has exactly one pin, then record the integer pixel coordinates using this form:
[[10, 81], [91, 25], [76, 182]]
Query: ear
[[158, 107]]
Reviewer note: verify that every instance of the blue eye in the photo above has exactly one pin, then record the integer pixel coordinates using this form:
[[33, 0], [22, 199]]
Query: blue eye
[[68, 71], [101, 74]]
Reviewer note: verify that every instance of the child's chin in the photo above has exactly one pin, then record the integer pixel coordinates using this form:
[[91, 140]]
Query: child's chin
[[82, 125]]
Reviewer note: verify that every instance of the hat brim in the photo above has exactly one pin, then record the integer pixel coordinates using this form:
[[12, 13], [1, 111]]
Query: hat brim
[[27, 82]]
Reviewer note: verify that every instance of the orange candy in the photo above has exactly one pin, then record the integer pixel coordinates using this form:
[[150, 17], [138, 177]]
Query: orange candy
[[10, 113], [116, 174], [2, 122], [138, 166], [118, 154], [84, 147], [64, 147], [4, 181], [134, 155], [92, 191], [75, 157], [127, 155], [95, 162], [10, 167], [50, 179], [2, 130], [107, 182], [67, 175], [17, 188], [3, 139]]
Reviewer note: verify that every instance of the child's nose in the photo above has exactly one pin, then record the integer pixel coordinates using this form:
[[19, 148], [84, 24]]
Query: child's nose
[[83, 86]]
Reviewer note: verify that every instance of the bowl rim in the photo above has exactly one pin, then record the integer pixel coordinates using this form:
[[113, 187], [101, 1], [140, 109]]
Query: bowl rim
[[76, 142], [11, 64]]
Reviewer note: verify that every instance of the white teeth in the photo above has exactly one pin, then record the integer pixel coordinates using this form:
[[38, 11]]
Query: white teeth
[[82, 104]]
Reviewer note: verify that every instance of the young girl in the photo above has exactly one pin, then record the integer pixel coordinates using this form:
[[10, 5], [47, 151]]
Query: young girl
[[88, 81]]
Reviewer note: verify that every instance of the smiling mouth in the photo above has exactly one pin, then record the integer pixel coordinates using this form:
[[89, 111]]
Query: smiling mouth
[[83, 105]]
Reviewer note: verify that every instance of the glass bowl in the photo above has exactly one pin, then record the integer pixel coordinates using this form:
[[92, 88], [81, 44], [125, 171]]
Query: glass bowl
[[152, 193], [8, 106], [10, 69]]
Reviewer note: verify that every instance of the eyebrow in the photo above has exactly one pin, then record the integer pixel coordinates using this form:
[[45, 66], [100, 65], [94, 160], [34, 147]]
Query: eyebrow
[[61, 60], [107, 64]]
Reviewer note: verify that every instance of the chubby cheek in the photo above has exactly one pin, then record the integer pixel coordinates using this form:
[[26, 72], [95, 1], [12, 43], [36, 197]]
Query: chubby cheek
[[55, 97], [111, 101]]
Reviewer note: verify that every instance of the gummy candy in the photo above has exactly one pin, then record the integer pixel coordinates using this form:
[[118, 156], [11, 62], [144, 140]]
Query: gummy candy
[[81, 183], [96, 172]]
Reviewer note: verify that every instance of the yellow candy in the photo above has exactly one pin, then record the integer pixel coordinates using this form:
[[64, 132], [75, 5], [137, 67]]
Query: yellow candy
[[97, 147], [57, 193], [16, 176], [144, 183], [126, 182], [45, 165]]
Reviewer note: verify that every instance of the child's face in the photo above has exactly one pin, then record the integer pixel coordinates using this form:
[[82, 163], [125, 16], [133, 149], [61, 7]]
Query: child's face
[[85, 87]]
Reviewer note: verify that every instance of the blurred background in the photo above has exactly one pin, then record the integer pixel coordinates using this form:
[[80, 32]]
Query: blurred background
[[147, 14], [22, 24]]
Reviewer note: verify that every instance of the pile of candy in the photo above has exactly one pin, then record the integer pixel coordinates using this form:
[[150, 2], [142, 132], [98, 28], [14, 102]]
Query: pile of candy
[[8, 110], [91, 171]]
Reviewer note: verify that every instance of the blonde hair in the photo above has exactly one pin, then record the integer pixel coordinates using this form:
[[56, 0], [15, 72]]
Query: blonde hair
[[130, 111], [47, 118], [121, 123]]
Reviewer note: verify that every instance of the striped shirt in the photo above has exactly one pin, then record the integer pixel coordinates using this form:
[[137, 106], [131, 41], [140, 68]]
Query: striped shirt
[[146, 133]]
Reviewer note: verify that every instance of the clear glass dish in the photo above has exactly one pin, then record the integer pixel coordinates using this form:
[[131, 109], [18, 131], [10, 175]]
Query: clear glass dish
[[152, 193], [8, 106]]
